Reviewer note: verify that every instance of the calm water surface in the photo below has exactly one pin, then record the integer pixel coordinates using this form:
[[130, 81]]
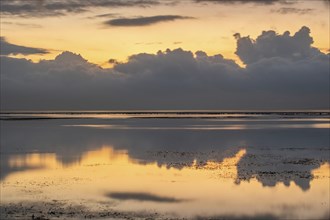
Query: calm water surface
[[179, 165]]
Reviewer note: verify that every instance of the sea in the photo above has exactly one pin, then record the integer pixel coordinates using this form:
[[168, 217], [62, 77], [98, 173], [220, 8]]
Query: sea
[[165, 164]]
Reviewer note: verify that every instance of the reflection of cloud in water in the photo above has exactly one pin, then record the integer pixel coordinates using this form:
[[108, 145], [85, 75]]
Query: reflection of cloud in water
[[199, 188], [140, 196], [265, 165], [32, 161], [271, 167], [23, 162], [270, 160]]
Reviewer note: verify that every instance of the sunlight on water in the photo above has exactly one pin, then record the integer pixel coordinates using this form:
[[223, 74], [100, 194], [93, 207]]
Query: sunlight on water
[[110, 177], [206, 127]]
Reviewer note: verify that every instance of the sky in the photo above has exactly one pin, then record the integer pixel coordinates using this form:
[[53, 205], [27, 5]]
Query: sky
[[163, 54]]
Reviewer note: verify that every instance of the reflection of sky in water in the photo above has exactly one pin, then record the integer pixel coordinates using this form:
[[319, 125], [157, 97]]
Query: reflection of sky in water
[[181, 168], [106, 175], [209, 127]]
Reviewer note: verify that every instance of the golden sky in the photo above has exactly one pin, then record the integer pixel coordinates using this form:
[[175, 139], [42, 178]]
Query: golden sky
[[206, 26]]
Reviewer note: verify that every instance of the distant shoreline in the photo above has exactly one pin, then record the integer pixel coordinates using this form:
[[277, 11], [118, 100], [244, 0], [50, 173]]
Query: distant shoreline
[[163, 115], [311, 112]]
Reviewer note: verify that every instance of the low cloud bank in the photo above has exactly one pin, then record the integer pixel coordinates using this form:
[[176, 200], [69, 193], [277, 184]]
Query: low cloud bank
[[282, 71]]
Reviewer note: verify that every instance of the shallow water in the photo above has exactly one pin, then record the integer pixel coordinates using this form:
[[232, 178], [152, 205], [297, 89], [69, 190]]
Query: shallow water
[[255, 166]]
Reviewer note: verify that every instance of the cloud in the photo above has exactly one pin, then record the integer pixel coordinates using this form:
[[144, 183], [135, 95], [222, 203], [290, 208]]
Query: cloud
[[326, 2], [22, 24], [143, 197], [262, 2], [258, 2], [113, 61], [270, 44], [107, 15], [144, 21], [41, 8], [281, 72], [293, 11], [12, 49]]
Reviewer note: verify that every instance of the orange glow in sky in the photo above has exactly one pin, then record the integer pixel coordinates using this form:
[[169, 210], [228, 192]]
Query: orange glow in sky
[[210, 28]]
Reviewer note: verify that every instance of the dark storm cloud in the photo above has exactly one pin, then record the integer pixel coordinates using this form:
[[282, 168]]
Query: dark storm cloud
[[7, 48], [144, 21], [40, 8], [293, 11], [140, 196], [283, 71]]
